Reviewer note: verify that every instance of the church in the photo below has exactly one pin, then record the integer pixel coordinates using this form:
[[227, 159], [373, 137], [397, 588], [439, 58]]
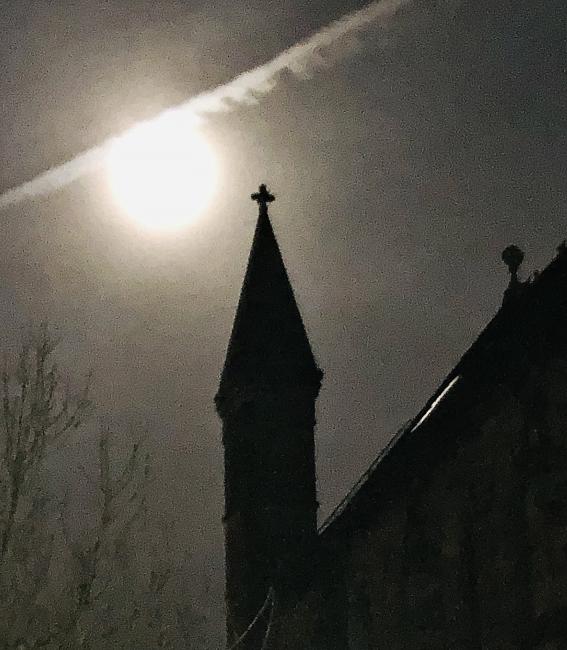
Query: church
[[456, 536]]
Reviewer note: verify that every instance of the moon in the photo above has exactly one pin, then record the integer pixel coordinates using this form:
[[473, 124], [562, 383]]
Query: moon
[[162, 173]]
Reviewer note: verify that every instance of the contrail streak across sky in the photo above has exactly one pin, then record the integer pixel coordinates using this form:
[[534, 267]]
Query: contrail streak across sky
[[302, 59]]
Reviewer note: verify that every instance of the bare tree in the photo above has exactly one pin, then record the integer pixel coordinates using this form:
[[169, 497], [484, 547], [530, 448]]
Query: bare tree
[[36, 411], [104, 579], [121, 501]]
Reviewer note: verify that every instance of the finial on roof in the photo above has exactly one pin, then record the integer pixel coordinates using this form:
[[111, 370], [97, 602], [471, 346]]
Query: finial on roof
[[513, 257], [262, 198]]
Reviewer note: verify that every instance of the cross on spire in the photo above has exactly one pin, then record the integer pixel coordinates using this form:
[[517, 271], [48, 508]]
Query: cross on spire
[[262, 198]]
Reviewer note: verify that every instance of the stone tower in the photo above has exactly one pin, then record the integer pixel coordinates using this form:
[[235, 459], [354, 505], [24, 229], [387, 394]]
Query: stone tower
[[266, 401]]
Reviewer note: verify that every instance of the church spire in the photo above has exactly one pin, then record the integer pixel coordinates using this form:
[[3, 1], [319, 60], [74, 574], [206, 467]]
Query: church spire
[[268, 341], [266, 401]]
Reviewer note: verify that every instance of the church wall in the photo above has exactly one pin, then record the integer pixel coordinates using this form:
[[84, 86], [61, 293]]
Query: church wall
[[468, 547]]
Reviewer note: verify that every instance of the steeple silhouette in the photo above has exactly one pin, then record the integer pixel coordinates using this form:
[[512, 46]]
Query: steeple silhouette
[[268, 341], [266, 400]]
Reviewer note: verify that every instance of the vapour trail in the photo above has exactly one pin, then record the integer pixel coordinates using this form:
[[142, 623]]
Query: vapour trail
[[302, 60]]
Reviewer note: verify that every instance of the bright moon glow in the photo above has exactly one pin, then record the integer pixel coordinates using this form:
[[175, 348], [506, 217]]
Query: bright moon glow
[[162, 173]]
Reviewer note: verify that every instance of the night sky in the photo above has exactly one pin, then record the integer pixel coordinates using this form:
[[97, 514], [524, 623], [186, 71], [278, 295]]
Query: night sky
[[401, 172]]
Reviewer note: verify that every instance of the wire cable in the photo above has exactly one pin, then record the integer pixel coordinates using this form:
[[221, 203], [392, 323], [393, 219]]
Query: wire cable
[[270, 622], [269, 597]]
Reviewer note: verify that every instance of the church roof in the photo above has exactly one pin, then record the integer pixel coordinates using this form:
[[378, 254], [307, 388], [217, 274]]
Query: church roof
[[268, 344], [528, 328]]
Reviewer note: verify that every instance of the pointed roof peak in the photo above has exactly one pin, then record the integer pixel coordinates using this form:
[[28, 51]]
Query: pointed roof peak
[[268, 345]]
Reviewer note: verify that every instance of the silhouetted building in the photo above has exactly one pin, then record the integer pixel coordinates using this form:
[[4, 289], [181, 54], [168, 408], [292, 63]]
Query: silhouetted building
[[456, 536], [266, 400]]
